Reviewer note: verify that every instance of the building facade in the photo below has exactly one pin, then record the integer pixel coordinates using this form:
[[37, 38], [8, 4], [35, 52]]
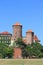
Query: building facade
[[5, 37]]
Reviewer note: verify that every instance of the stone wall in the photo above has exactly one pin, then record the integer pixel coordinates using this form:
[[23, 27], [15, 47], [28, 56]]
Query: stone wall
[[17, 53]]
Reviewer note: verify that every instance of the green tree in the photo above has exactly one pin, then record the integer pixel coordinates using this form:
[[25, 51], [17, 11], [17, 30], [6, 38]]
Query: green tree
[[9, 52], [20, 43], [5, 51], [29, 51], [37, 50], [3, 47]]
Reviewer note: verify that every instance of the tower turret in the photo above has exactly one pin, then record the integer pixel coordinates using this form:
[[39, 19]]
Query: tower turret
[[17, 31], [29, 36]]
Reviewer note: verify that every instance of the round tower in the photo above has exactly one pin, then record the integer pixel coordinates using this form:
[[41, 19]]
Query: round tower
[[17, 31], [29, 37]]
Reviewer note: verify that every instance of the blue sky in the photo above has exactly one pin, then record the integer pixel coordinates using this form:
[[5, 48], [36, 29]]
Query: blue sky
[[27, 12]]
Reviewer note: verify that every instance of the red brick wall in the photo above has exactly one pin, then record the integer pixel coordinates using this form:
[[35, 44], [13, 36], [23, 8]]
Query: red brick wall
[[17, 53], [17, 32]]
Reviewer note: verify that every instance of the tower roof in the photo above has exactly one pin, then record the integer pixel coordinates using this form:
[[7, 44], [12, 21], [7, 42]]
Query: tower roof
[[29, 31], [17, 24], [35, 37]]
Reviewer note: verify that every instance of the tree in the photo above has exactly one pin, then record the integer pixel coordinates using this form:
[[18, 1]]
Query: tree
[[5, 51], [9, 52], [29, 51], [19, 43], [3, 47], [37, 50], [34, 50]]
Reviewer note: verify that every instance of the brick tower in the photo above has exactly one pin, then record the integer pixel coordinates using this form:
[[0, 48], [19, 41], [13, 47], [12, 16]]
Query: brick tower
[[17, 31], [29, 36]]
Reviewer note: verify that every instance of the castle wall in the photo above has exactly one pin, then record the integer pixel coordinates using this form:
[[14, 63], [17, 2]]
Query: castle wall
[[17, 53]]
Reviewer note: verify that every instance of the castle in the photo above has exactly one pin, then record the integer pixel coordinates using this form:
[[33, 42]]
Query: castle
[[28, 39], [17, 33], [6, 37]]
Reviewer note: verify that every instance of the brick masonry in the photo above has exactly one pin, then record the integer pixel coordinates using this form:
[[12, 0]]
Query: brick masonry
[[17, 53]]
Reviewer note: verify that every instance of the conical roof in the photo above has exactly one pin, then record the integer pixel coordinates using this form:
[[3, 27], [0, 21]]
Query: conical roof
[[17, 24], [30, 31]]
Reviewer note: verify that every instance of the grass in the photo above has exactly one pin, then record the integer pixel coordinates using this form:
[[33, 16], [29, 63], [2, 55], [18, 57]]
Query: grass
[[21, 61]]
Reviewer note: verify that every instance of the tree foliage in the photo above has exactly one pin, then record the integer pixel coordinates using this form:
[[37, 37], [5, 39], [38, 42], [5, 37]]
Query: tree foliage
[[35, 49], [19, 43], [30, 50], [5, 51]]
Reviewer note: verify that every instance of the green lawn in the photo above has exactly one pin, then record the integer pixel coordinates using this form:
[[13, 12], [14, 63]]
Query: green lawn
[[21, 61]]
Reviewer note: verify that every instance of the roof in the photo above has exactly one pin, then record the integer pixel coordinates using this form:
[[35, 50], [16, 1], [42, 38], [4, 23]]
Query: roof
[[5, 32], [17, 24], [30, 31], [36, 38]]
